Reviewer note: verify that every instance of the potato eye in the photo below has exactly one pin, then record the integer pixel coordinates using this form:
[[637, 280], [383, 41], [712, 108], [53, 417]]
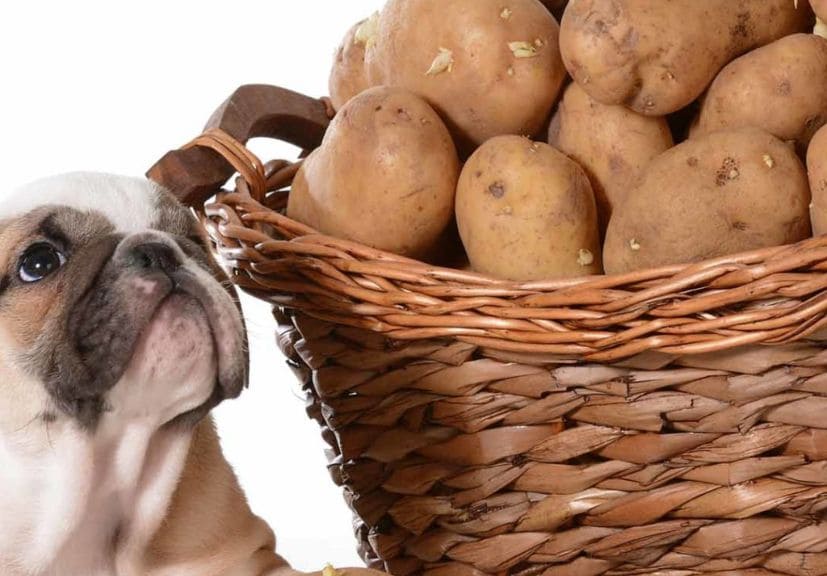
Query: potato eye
[[39, 261]]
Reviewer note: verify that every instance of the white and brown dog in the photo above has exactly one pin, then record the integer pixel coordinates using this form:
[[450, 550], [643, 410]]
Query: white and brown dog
[[116, 339]]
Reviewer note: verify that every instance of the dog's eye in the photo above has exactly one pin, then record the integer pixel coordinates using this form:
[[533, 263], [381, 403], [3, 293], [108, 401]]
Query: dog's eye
[[39, 261]]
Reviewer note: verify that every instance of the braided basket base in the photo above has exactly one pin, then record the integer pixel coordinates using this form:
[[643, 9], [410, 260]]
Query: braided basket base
[[462, 461]]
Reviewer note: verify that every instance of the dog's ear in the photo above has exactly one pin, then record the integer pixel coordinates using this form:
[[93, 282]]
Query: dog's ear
[[174, 217]]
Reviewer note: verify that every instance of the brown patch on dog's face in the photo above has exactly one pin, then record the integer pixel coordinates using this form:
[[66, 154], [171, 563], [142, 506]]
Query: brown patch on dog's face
[[75, 330], [28, 308]]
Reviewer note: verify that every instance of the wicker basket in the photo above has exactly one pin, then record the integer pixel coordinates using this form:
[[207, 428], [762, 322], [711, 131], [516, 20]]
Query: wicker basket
[[669, 421]]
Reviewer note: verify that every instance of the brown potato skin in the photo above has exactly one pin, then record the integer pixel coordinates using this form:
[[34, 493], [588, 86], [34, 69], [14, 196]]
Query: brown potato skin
[[384, 175], [611, 143], [347, 75], [524, 211], [820, 8], [817, 175], [723, 193], [780, 87], [657, 56], [477, 98]]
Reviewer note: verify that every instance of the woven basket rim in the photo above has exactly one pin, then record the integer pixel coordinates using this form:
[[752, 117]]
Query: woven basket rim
[[775, 295]]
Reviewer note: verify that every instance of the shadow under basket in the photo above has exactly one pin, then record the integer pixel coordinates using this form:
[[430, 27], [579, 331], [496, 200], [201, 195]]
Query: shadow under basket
[[669, 421]]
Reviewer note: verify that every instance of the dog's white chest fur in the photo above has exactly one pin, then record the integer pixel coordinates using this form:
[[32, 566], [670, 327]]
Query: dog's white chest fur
[[78, 497], [68, 493]]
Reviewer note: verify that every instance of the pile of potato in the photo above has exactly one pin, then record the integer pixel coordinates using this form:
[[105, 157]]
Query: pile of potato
[[634, 134]]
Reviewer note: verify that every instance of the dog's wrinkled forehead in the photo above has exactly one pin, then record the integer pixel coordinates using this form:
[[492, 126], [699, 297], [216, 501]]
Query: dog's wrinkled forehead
[[129, 204]]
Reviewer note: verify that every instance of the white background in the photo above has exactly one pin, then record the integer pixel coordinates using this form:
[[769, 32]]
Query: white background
[[110, 86]]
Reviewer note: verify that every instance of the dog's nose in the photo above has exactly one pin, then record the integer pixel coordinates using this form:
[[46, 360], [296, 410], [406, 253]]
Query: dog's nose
[[154, 256], [149, 252]]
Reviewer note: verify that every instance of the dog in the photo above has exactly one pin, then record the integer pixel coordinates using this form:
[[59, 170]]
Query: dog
[[118, 334]]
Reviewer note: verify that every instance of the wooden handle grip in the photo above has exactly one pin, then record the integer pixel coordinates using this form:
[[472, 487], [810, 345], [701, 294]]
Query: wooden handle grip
[[254, 110]]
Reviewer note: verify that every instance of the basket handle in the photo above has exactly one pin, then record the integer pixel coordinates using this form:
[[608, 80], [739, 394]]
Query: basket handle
[[196, 173]]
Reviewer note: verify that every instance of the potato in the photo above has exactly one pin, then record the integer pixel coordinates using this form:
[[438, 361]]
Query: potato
[[611, 143], [525, 211], [780, 87], [656, 56], [820, 8], [817, 175], [488, 67], [384, 175], [347, 76], [723, 193]]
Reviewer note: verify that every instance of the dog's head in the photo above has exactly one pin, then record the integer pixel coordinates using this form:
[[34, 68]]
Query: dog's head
[[111, 306]]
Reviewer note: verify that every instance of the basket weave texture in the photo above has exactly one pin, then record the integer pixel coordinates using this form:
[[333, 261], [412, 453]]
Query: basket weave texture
[[669, 421]]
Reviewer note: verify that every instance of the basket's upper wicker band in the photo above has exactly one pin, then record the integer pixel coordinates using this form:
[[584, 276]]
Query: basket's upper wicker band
[[771, 296]]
